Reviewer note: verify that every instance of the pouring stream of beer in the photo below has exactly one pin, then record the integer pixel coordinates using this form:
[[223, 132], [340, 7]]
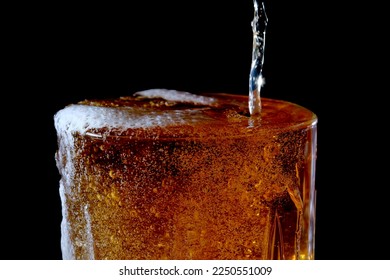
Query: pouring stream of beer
[[256, 81]]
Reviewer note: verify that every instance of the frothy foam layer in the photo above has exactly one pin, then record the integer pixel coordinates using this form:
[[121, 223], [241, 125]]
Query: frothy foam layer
[[178, 96], [83, 118]]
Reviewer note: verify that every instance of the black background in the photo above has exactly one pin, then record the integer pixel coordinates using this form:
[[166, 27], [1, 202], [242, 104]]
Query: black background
[[315, 56]]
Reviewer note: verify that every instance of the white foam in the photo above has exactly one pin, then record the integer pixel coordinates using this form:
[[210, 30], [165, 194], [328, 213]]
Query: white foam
[[67, 248], [174, 95], [82, 118]]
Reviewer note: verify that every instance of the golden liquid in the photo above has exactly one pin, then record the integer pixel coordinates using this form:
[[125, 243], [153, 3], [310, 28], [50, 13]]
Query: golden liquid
[[220, 188]]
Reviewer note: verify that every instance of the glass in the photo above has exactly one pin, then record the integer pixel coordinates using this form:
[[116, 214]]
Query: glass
[[172, 175]]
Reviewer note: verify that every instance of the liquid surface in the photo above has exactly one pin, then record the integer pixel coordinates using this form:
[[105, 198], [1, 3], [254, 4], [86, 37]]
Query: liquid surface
[[152, 177], [142, 114]]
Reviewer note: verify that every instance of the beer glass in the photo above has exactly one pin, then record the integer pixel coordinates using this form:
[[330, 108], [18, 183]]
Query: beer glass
[[163, 174]]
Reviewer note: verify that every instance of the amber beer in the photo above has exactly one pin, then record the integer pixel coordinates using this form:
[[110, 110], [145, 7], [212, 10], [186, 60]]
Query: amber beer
[[170, 175]]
